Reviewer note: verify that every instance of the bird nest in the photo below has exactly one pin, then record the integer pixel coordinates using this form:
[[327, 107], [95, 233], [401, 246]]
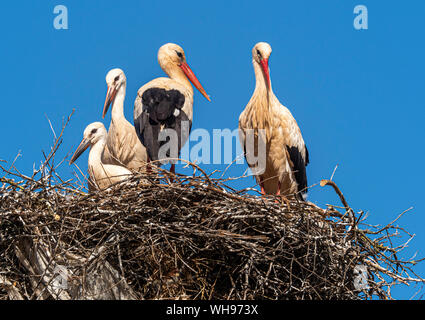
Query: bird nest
[[165, 236]]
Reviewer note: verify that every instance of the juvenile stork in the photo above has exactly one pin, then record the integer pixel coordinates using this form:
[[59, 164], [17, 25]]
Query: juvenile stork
[[286, 153], [122, 142], [166, 103], [101, 175]]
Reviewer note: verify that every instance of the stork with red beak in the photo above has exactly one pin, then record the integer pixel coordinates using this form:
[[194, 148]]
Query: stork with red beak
[[122, 142], [286, 152], [165, 105]]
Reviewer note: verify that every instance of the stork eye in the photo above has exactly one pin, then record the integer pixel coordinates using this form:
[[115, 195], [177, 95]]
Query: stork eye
[[259, 53], [117, 78], [179, 54], [93, 131]]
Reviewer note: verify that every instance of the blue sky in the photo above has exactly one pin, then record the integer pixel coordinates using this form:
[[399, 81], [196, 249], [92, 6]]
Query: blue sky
[[358, 96]]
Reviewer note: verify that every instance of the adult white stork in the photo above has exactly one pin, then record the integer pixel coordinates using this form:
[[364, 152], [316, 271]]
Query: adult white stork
[[166, 103], [122, 142], [286, 153], [101, 175]]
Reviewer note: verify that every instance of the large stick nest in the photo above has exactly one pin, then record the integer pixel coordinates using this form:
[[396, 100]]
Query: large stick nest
[[189, 237]]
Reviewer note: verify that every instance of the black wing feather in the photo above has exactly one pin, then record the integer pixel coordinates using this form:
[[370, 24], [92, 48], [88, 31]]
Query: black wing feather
[[159, 109], [299, 168]]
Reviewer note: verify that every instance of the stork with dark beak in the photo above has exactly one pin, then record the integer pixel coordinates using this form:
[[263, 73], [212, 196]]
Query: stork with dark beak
[[122, 142], [286, 153], [167, 103], [101, 175]]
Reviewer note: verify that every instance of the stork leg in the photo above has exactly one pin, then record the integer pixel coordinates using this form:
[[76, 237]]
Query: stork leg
[[263, 192], [282, 197], [173, 171], [148, 166]]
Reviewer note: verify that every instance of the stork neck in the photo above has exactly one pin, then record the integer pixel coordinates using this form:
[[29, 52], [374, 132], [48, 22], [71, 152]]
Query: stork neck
[[260, 81], [118, 103], [261, 102], [177, 74], [96, 151]]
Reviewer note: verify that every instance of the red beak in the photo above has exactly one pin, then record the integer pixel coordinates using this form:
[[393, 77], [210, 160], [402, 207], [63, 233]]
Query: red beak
[[191, 76], [265, 65]]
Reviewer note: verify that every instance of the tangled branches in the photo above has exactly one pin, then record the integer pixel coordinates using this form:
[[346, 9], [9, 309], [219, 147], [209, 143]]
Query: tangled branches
[[189, 237]]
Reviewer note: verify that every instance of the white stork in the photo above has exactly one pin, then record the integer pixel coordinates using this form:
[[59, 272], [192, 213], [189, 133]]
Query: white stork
[[122, 142], [101, 175], [286, 152], [166, 103]]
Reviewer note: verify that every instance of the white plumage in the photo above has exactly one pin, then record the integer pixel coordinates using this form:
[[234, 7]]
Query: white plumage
[[101, 175], [166, 103], [122, 145], [286, 153]]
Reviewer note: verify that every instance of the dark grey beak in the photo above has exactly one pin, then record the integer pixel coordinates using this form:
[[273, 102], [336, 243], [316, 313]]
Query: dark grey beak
[[81, 148], [110, 96]]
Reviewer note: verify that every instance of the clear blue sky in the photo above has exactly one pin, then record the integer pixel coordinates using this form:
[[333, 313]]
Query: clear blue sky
[[358, 96]]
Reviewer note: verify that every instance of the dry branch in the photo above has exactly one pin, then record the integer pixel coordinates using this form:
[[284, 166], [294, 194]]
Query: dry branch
[[192, 238]]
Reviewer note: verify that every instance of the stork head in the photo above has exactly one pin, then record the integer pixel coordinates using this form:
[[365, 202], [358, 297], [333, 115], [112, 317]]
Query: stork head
[[114, 79], [171, 57], [260, 54], [92, 134]]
